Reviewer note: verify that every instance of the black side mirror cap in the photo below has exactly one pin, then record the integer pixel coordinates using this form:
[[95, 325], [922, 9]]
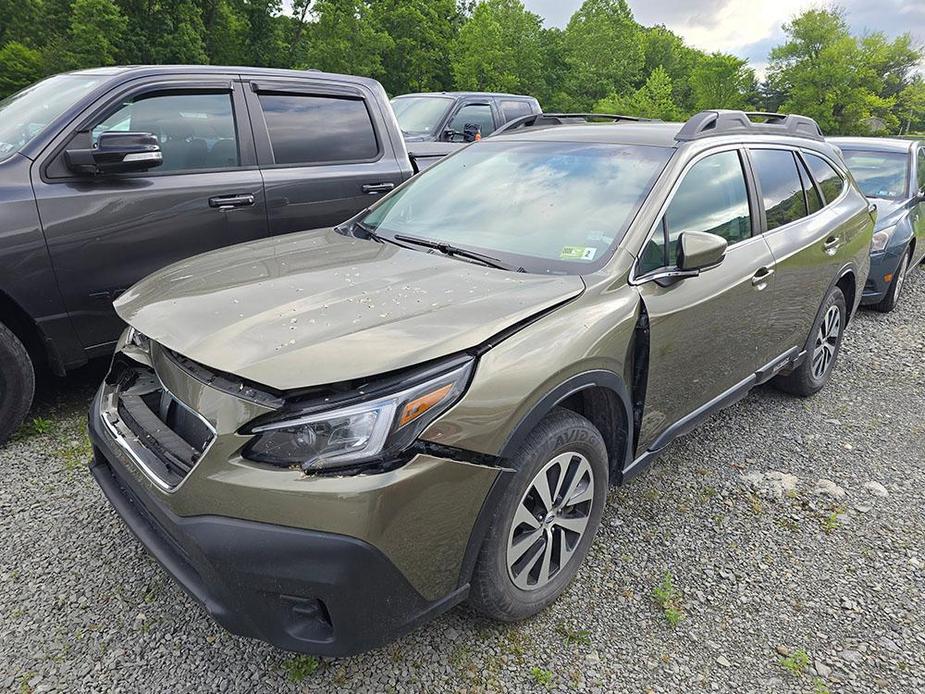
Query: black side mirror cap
[[116, 152]]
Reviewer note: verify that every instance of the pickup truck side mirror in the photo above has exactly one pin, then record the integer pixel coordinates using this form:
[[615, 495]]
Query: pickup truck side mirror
[[700, 250], [472, 132], [116, 152]]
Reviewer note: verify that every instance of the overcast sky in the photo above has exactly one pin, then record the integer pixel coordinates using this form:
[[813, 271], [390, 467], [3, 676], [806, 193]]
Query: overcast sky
[[748, 28]]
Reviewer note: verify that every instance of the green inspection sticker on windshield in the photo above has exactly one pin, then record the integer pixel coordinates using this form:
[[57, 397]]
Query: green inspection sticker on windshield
[[577, 253]]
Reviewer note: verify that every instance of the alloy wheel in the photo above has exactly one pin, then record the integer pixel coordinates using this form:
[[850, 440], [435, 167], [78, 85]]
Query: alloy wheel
[[826, 342], [550, 521]]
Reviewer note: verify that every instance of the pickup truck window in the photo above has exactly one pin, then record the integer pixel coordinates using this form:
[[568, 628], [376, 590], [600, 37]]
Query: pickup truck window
[[308, 129], [196, 131], [514, 108], [474, 114], [25, 114]]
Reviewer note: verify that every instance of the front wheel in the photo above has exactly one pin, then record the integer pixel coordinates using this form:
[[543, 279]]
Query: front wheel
[[821, 349], [17, 383], [544, 524]]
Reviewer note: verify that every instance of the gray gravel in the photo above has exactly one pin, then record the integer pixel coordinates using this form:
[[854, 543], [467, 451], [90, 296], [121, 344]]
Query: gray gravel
[[793, 533]]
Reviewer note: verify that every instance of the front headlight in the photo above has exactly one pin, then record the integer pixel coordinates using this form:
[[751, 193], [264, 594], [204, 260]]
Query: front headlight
[[882, 238], [360, 433]]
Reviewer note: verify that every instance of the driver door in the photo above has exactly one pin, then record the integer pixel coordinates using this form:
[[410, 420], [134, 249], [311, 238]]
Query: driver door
[[472, 117], [707, 333]]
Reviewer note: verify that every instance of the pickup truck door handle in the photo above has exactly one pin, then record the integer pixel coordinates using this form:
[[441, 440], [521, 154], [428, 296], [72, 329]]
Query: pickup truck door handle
[[761, 277], [832, 244], [227, 202], [376, 188]]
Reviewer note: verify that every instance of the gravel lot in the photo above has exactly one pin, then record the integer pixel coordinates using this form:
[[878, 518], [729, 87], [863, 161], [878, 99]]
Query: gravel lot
[[792, 532]]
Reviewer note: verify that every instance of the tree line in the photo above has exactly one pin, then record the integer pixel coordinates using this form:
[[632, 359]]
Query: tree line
[[603, 60]]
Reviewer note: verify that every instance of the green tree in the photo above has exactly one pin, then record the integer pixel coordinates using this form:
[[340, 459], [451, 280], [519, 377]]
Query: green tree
[[721, 80], [95, 35], [345, 39], [21, 67], [499, 48], [663, 48], [416, 57], [653, 100], [910, 107], [21, 21], [603, 50]]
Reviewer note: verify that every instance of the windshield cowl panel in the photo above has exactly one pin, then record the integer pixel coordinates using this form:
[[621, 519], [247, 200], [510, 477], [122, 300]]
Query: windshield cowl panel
[[546, 207]]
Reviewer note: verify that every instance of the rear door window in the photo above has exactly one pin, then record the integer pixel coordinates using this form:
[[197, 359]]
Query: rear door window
[[781, 187], [828, 179], [813, 201], [514, 108], [711, 198], [308, 129]]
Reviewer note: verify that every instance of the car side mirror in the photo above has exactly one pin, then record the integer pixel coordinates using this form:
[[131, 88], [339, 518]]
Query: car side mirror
[[116, 152], [472, 132], [449, 134], [700, 250]]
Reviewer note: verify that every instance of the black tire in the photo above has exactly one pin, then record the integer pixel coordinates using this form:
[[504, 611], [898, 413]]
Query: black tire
[[805, 380], [493, 591], [891, 298], [17, 383]]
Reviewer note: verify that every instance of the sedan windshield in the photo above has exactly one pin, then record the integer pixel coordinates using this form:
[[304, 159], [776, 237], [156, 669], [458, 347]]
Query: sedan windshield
[[879, 174], [420, 115], [556, 207], [25, 114]]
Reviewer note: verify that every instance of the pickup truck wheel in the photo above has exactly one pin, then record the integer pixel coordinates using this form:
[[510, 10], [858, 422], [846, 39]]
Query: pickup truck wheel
[[821, 348], [543, 526], [889, 301], [17, 383]]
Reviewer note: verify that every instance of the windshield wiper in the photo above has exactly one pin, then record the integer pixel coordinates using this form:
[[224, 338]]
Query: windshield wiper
[[448, 249]]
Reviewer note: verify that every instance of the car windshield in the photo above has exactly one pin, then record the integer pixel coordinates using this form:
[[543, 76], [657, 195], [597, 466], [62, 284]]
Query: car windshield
[[420, 115], [556, 207], [879, 174], [25, 114]]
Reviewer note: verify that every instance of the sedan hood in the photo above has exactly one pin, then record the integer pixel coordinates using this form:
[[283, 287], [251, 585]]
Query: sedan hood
[[888, 212], [318, 307]]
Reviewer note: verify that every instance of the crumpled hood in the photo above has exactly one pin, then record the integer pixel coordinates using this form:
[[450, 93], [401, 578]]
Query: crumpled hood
[[318, 307], [888, 212]]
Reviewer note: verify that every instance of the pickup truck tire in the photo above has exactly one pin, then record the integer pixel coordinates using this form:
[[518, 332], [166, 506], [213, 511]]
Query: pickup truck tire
[[17, 383], [810, 376], [564, 455]]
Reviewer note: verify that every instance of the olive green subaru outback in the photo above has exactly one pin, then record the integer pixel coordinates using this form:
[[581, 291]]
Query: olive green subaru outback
[[329, 437]]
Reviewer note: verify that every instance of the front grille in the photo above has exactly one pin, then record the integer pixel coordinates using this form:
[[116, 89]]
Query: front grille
[[173, 437]]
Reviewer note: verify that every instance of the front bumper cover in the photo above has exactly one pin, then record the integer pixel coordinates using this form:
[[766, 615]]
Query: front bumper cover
[[301, 590]]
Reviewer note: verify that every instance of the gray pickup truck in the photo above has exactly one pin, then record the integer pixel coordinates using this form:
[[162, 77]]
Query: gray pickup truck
[[109, 174]]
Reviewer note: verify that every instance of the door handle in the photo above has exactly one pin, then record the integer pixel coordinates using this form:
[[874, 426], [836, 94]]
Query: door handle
[[376, 188], [832, 244], [227, 202], [761, 277]]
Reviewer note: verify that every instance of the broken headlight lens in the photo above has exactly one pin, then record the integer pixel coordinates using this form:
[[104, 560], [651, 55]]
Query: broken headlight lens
[[357, 433], [881, 239]]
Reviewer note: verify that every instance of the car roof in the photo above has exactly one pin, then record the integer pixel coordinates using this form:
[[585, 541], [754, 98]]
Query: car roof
[[152, 70], [625, 133], [884, 144], [459, 94]]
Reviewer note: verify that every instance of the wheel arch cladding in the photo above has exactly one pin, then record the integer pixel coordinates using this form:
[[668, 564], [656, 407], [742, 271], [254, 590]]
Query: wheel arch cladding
[[848, 285], [20, 323], [600, 397]]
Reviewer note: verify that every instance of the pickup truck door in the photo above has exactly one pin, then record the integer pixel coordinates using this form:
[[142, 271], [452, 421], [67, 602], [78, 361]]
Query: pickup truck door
[[106, 232], [325, 150]]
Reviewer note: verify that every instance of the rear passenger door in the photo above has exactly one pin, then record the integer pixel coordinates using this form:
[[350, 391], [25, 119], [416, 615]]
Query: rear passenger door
[[323, 149], [472, 112], [106, 232], [808, 233]]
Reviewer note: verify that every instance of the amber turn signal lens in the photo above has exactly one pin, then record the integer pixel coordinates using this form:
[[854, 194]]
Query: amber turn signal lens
[[420, 405], [888, 277]]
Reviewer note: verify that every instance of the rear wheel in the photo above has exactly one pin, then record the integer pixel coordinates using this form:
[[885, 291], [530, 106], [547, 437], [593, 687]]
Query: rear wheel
[[543, 526], [821, 348], [17, 383], [889, 301]]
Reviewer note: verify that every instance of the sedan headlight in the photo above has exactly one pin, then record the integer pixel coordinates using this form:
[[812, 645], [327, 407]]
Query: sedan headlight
[[359, 433], [882, 238]]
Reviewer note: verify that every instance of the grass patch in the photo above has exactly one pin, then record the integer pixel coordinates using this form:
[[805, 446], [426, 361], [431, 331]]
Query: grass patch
[[38, 426], [541, 676], [819, 687], [299, 667], [579, 636], [76, 454], [669, 598], [796, 663]]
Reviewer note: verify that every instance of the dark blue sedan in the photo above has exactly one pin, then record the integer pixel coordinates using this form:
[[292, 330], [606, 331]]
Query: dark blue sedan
[[891, 172]]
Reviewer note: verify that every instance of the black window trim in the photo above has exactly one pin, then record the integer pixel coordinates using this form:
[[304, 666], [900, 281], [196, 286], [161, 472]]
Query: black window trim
[[636, 278], [841, 174], [114, 100], [265, 156]]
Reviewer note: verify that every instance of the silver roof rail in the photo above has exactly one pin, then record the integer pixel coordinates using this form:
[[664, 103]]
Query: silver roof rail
[[726, 122]]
